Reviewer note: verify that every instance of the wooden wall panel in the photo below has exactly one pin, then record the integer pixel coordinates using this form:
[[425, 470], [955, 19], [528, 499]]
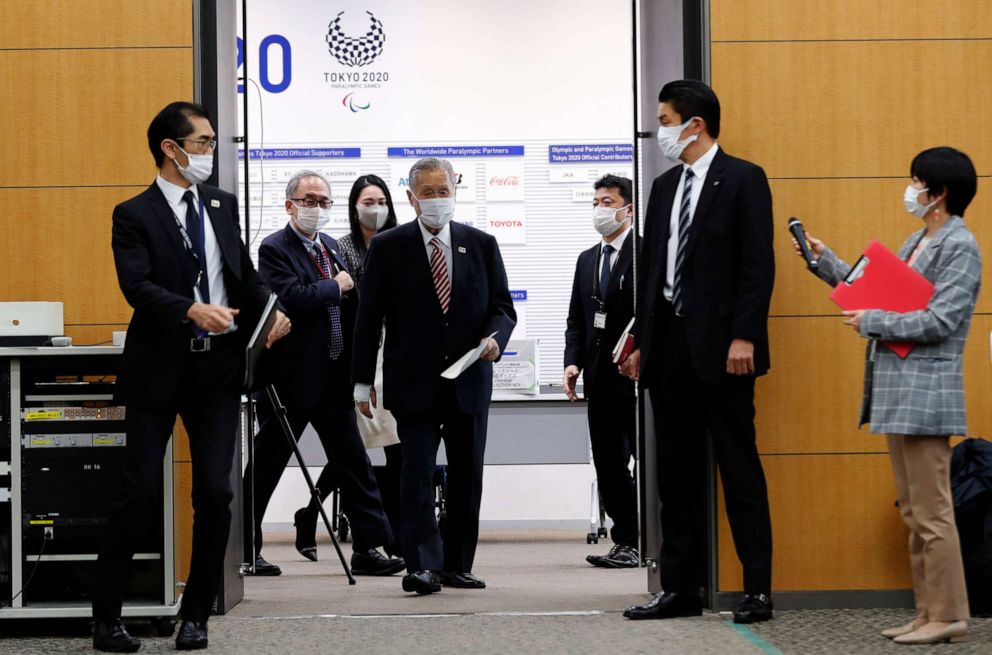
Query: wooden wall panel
[[183, 526], [81, 117], [73, 263], [28, 24], [834, 522], [846, 214], [846, 109], [834, 98], [783, 20], [809, 401]]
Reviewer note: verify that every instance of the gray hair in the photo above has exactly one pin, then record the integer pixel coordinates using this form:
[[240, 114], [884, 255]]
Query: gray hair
[[294, 182], [431, 164]]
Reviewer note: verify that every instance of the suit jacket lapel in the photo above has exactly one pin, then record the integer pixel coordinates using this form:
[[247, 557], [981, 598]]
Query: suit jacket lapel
[[457, 271], [623, 260], [160, 207], [335, 255], [711, 186], [930, 250], [663, 234], [227, 237]]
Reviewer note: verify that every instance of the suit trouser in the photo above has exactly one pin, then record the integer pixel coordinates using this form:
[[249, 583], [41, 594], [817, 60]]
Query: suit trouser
[[211, 420], [687, 409], [464, 438], [922, 469], [612, 420], [346, 457]]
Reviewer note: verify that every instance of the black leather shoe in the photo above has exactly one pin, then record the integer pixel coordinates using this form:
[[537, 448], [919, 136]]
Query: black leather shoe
[[462, 580], [422, 582], [666, 605], [372, 562], [305, 523], [754, 609], [192, 635], [114, 638], [619, 557], [265, 568]]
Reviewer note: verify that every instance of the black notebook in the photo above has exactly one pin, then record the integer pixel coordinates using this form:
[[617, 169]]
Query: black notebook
[[256, 345]]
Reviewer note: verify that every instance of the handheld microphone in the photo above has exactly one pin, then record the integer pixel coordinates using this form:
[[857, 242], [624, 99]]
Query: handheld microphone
[[796, 228]]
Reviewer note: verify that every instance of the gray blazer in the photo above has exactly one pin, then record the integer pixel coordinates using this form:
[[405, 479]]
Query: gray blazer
[[924, 393]]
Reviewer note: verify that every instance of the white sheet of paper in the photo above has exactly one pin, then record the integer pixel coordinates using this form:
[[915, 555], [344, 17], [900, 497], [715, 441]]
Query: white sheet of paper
[[466, 360]]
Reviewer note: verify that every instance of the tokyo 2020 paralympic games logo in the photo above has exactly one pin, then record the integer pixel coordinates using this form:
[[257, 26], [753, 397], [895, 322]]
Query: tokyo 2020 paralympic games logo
[[355, 107], [355, 51]]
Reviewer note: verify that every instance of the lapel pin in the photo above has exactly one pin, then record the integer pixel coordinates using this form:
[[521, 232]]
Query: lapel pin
[[462, 249], [215, 203], [716, 182]]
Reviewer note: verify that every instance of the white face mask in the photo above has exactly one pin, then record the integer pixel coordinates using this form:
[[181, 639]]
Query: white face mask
[[311, 219], [668, 140], [198, 169], [912, 204], [604, 219], [436, 212], [373, 217]]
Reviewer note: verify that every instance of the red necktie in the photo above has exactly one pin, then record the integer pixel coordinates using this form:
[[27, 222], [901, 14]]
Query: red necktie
[[439, 269]]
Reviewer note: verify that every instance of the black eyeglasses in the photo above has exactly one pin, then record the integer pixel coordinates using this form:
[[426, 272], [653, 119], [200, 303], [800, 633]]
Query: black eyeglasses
[[202, 143], [310, 203]]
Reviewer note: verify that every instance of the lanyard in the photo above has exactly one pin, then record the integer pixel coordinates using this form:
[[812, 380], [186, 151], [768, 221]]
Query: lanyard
[[185, 235], [324, 254]]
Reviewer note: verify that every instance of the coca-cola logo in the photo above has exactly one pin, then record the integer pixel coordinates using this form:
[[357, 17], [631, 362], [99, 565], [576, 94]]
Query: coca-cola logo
[[506, 223], [506, 180]]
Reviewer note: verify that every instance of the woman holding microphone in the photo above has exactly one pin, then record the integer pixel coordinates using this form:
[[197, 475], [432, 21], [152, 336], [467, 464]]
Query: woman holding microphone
[[918, 402]]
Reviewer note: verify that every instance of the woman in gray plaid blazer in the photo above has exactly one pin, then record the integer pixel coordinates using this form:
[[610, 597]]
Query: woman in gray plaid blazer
[[919, 401]]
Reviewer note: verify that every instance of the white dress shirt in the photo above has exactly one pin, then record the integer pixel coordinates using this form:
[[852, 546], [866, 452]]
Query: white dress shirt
[[699, 170], [617, 247], [444, 236], [215, 266]]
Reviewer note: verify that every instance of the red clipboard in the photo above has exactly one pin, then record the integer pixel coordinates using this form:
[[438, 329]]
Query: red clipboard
[[880, 280]]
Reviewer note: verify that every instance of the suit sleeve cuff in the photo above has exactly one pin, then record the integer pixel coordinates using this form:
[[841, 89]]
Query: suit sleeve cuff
[[362, 393]]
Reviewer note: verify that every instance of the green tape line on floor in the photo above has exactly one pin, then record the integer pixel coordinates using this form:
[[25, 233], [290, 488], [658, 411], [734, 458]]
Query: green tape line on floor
[[748, 634]]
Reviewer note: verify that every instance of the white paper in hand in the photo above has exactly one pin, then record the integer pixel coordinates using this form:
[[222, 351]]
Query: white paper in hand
[[467, 359]]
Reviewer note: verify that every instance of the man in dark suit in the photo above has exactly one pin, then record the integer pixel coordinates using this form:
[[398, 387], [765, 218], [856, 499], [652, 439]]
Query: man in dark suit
[[702, 338], [440, 289], [601, 307], [311, 370], [196, 296]]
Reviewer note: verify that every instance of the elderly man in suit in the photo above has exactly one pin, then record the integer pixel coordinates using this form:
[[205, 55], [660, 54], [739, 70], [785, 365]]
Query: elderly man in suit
[[311, 371], [702, 337], [440, 289], [196, 296], [601, 306]]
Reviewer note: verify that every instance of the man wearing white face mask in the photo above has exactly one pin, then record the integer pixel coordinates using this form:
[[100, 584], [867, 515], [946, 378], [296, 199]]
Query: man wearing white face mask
[[601, 306], [196, 296], [312, 373], [701, 340], [440, 289]]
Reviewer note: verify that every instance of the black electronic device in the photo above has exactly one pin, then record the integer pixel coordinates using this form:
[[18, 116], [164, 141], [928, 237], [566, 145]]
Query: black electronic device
[[799, 234]]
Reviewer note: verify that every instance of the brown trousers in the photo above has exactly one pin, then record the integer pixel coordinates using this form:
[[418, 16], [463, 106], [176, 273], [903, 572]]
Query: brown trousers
[[923, 479]]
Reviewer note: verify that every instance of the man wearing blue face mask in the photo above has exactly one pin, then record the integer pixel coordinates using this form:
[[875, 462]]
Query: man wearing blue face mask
[[601, 306], [311, 370], [441, 290], [701, 335], [196, 296]]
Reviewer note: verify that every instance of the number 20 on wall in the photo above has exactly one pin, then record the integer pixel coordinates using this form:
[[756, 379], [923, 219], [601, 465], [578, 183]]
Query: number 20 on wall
[[264, 74]]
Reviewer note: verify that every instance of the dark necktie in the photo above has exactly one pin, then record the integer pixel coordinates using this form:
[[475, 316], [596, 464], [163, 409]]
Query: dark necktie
[[684, 220], [194, 228], [604, 273], [333, 311]]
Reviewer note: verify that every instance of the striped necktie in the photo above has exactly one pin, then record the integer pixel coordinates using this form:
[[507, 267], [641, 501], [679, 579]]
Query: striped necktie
[[439, 270], [685, 217]]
